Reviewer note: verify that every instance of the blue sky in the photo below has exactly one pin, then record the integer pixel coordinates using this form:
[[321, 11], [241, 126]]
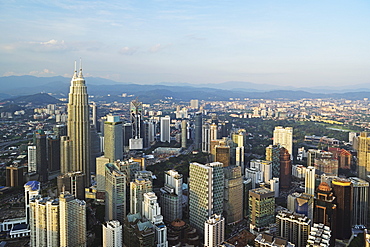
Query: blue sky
[[297, 43]]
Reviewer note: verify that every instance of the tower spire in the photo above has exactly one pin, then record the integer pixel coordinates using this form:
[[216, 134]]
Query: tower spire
[[75, 73], [80, 74]]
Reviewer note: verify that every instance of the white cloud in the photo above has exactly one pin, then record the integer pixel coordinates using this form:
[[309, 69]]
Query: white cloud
[[128, 50], [43, 72], [158, 47]]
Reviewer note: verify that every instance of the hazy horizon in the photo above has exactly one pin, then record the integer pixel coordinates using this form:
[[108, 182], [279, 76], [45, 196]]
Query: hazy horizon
[[285, 43]]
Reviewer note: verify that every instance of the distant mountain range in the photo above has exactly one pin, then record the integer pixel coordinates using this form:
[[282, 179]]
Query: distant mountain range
[[109, 90]]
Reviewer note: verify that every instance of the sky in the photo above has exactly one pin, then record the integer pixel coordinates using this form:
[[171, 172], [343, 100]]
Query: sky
[[292, 43]]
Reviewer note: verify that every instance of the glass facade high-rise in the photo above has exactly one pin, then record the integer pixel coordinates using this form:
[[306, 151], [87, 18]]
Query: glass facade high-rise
[[206, 189]]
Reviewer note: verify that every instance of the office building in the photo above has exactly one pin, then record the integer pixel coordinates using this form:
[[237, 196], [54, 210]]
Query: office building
[[206, 138], [194, 103], [206, 188], [198, 131], [113, 142], [165, 129], [360, 201], [214, 231], [100, 172], [32, 167], [233, 202], [261, 208], [136, 140], [73, 182], [171, 196], [325, 209], [115, 193], [112, 234], [239, 157], [213, 130], [309, 182], [342, 190], [78, 127], [31, 190], [65, 154], [15, 175], [363, 159], [285, 169], [44, 222], [41, 156], [275, 186], [273, 155], [138, 187], [222, 155], [53, 153], [247, 186], [72, 211], [152, 212], [183, 133], [284, 137], [293, 227]]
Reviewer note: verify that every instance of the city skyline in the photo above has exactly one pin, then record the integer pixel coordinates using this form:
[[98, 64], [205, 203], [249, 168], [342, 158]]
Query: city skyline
[[284, 43]]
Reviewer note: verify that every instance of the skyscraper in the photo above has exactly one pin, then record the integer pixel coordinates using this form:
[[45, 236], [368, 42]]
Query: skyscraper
[[293, 227], [41, 156], [309, 184], [285, 169], [113, 142], [206, 138], [31, 189], [137, 189], [152, 212], [171, 196], [233, 201], [72, 221], [261, 208], [342, 190], [32, 159], [198, 131], [165, 129], [325, 209], [78, 127], [363, 154], [115, 193], [284, 137], [206, 188], [214, 231], [136, 141], [112, 234], [360, 201]]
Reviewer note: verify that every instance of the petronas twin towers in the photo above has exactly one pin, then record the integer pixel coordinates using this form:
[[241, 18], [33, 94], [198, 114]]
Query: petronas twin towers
[[78, 128]]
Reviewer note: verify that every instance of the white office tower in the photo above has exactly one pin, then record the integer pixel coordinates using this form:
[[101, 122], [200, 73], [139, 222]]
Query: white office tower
[[44, 222], [255, 175], [214, 231], [309, 181], [31, 190], [264, 166], [165, 129], [32, 159], [284, 137], [72, 221], [206, 138], [112, 234], [100, 172], [171, 196], [137, 189], [274, 186], [206, 188], [360, 201], [115, 193], [152, 212], [113, 141]]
